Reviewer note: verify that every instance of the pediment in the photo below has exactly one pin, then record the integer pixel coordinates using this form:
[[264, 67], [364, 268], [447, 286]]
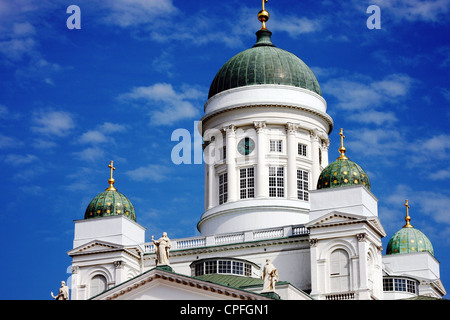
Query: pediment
[[158, 284], [336, 218], [95, 246]]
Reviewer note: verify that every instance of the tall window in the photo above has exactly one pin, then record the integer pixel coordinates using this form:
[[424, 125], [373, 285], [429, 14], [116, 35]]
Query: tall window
[[223, 188], [339, 271], [97, 285], [302, 149], [276, 146], [302, 185], [247, 183], [276, 182]]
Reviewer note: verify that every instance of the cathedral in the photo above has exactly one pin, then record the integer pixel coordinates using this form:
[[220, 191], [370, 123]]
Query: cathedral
[[282, 219]]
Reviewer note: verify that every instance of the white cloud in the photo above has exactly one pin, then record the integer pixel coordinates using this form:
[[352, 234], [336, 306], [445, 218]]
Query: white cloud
[[377, 117], [100, 135], [416, 10], [152, 172], [19, 159], [93, 136], [126, 13], [296, 26], [364, 93], [52, 123], [167, 105], [430, 203], [7, 142], [90, 154], [443, 174]]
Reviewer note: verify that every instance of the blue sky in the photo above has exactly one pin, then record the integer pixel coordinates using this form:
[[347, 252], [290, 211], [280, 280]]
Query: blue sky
[[72, 100]]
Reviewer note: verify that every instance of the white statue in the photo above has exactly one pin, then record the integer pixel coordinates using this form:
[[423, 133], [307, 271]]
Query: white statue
[[162, 248], [270, 276], [63, 292]]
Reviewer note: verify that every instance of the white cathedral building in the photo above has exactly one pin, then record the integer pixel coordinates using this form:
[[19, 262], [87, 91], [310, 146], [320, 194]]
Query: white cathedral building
[[272, 198]]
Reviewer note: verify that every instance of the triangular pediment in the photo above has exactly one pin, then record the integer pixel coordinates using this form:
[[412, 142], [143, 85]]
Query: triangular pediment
[[94, 247], [159, 284], [336, 218]]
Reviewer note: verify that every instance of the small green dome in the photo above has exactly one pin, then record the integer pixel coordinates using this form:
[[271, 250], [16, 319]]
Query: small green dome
[[110, 203], [342, 172], [264, 64], [408, 240]]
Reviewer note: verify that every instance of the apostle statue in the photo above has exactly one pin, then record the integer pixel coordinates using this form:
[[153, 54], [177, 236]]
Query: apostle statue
[[63, 292], [162, 248], [270, 277]]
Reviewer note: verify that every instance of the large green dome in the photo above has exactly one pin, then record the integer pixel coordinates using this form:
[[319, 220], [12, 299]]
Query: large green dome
[[264, 64]]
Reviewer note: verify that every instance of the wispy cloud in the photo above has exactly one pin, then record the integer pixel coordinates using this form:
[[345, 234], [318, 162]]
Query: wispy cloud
[[20, 159], [416, 10], [126, 13], [102, 133], [360, 92], [166, 105], [52, 123], [150, 173]]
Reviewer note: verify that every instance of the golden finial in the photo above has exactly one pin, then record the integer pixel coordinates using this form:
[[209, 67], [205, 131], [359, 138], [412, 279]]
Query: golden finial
[[407, 218], [342, 148], [111, 179], [263, 15]]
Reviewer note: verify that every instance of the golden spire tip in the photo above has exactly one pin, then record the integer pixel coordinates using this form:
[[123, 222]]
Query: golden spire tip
[[111, 179], [407, 218], [342, 148], [263, 15]]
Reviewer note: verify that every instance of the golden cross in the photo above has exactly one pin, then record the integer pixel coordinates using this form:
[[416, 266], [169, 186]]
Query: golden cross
[[342, 148], [112, 168], [263, 4], [407, 218], [111, 179]]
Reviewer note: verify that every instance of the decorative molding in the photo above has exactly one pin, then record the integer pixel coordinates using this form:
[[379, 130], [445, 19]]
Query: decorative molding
[[322, 115], [313, 243], [119, 264], [75, 269], [361, 237]]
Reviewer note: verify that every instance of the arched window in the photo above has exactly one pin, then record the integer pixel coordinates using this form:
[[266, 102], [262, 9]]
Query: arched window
[[98, 285], [339, 271]]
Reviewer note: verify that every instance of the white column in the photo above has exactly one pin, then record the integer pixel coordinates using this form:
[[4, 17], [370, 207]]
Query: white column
[[363, 288], [231, 163], [210, 188], [262, 179], [315, 170], [292, 150], [325, 147]]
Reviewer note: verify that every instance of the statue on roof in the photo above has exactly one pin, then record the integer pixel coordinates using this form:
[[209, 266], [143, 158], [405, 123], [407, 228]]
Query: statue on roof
[[162, 248], [270, 276], [63, 292]]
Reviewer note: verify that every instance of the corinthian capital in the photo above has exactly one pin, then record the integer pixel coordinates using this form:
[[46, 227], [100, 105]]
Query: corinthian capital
[[231, 129], [291, 128], [259, 126]]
